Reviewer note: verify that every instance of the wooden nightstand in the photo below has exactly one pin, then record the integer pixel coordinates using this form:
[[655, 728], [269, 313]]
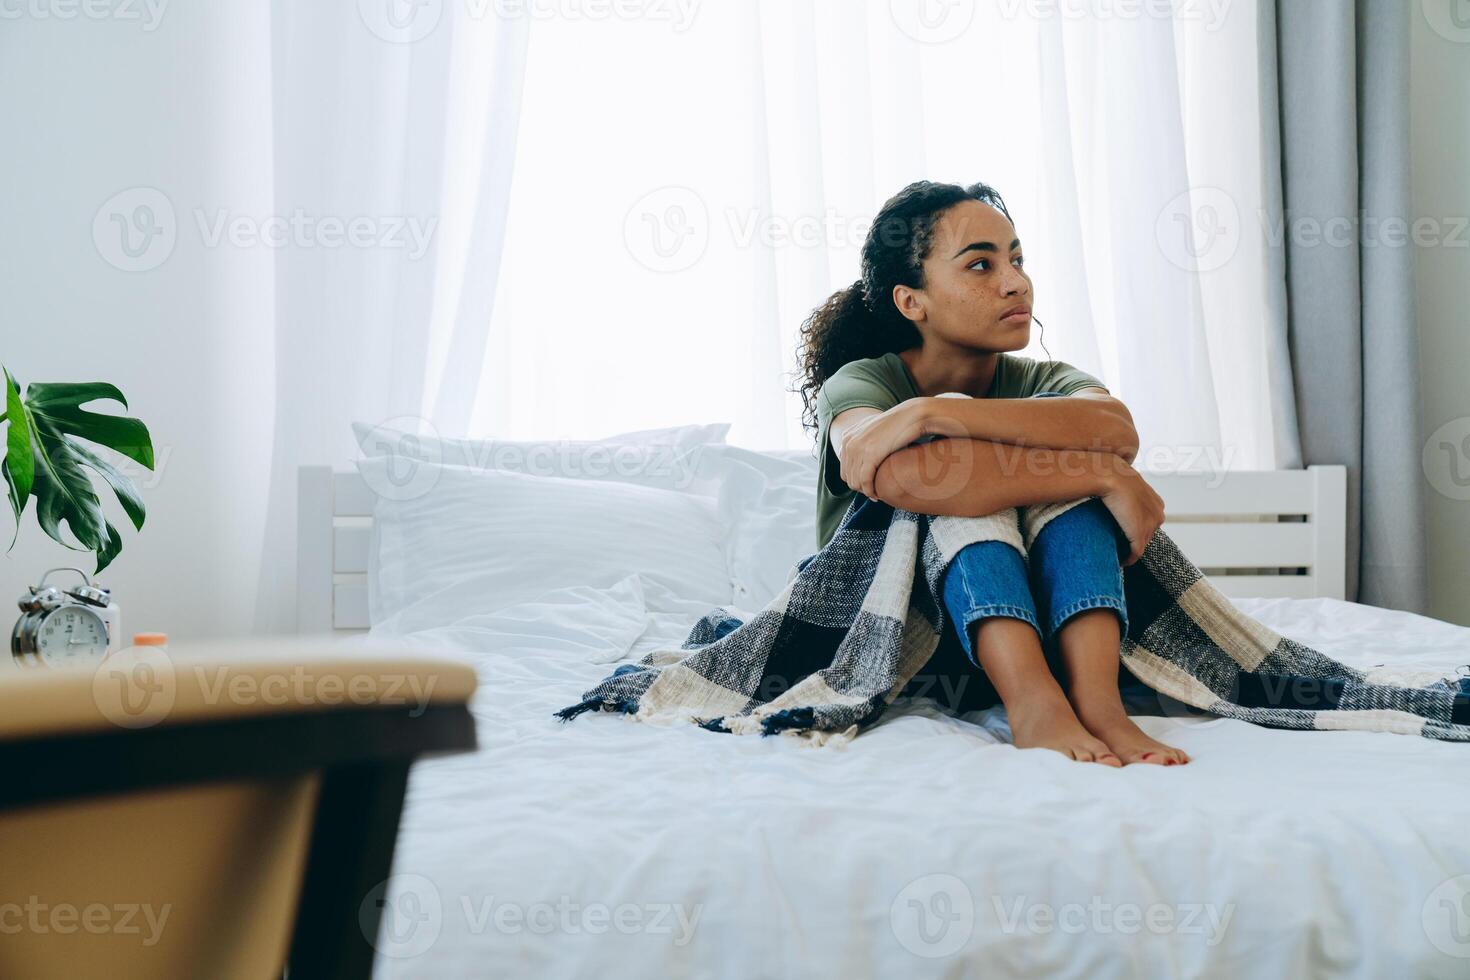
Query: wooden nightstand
[[222, 812]]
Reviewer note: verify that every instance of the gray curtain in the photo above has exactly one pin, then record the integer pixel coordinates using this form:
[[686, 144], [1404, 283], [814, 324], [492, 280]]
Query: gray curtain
[[1335, 88]]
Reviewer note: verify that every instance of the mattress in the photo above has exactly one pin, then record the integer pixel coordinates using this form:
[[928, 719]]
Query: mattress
[[929, 846]]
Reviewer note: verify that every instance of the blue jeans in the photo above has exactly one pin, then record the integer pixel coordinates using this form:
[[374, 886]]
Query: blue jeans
[[1074, 565]]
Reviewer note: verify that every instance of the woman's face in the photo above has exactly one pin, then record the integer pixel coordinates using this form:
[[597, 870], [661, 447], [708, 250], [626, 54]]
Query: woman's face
[[977, 293]]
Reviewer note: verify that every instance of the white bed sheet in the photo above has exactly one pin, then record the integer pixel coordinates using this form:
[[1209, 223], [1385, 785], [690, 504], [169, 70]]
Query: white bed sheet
[[928, 847]]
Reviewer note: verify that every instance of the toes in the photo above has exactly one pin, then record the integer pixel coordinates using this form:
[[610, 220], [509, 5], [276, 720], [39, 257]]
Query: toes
[[1100, 754]]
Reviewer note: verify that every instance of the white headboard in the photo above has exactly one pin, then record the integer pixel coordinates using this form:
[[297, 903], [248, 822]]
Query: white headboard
[[1254, 533]]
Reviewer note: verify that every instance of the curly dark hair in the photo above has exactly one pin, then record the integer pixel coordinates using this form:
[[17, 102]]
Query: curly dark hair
[[862, 320]]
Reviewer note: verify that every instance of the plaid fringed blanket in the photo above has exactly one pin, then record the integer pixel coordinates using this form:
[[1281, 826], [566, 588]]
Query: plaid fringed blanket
[[861, 617]]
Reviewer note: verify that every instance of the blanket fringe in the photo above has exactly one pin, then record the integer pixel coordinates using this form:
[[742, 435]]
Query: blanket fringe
[[780, 721], [591, 704]]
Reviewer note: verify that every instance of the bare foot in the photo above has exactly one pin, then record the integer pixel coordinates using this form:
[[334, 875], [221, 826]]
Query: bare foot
[[1048, 722], [1126, 739]]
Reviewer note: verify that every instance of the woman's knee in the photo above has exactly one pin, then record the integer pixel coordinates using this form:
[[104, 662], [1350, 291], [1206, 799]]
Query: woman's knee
[[1088, 527], [985, 570]]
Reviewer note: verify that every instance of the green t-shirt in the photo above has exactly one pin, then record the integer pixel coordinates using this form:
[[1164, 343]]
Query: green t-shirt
[[883, 382]]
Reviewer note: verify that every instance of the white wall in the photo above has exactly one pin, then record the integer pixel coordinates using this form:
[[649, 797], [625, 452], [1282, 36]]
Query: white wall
[[1441, 148], [90, 107]]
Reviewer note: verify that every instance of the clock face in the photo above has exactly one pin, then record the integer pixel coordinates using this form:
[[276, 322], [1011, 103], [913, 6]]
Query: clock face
[[72, 634]]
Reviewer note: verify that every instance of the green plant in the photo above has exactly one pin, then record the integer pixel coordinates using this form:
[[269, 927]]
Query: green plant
[[45, 459]]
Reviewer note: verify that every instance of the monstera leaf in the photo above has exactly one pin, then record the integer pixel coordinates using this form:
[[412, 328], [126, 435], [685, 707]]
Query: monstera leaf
[[45, 457]]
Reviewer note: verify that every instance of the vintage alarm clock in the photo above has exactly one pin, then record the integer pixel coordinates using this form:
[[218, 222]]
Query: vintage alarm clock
[[59, 627]]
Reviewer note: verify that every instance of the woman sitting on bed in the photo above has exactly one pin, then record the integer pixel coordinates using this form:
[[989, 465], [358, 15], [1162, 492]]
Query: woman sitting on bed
[[942, 300]]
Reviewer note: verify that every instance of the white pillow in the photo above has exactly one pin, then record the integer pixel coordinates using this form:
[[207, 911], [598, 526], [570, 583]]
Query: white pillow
[[479, 540], [768, 504], [593, 625], [651, 457]]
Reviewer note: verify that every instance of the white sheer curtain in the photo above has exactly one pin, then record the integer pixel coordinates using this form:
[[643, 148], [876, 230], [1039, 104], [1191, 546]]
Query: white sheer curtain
[[401, 117], [624, 211], [690, 180]]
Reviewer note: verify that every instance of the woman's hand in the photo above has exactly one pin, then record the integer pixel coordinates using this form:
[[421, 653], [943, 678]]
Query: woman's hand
[[871, 440], [1137, 508]]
